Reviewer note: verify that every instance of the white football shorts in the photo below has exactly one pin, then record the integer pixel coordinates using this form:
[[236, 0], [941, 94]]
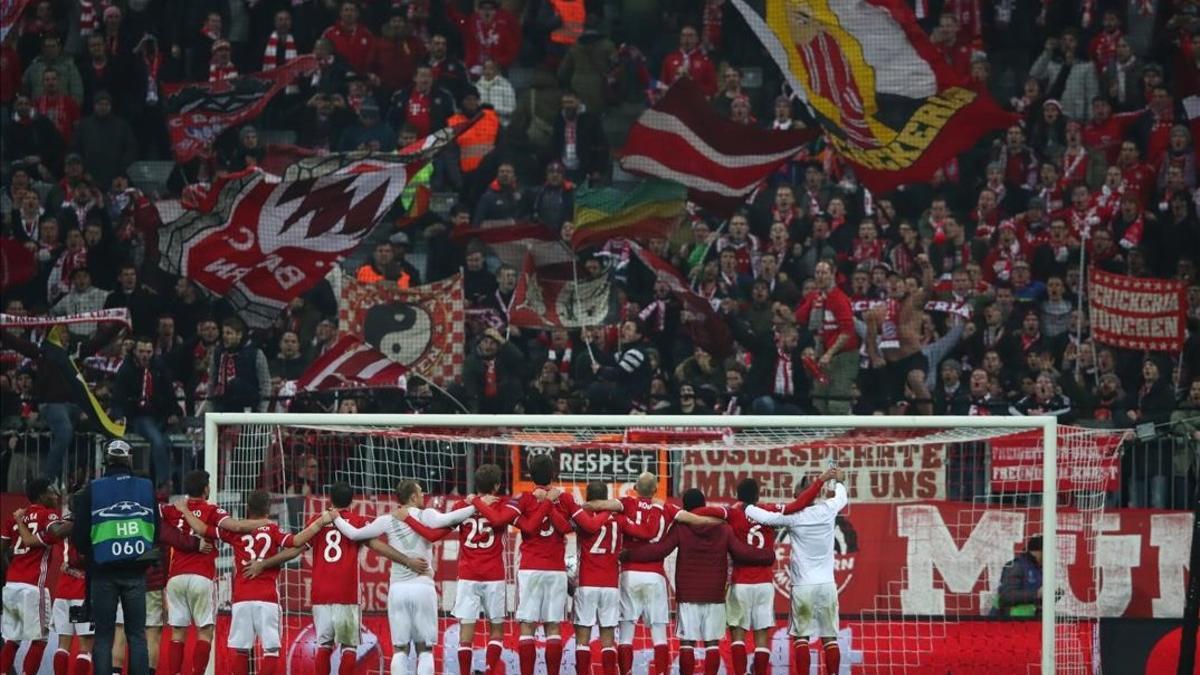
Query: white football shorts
[[814, 611], [541, 596], [472, 598]]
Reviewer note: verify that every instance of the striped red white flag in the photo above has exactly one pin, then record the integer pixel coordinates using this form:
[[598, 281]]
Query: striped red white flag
[[682, 139], [351, 363]]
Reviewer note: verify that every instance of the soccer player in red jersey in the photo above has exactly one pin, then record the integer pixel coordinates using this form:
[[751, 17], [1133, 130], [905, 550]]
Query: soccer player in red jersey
[[25, 594], [337, 615], [644, 583], [256, 611], [597, 600], [190, 590], [750, 602], [542, 576], [481, 587], [700, 584]]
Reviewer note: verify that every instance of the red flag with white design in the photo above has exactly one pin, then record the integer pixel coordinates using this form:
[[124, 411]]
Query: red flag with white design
[[350, 363], [260, 241], [197, 112], [510, 240], [707, 329]]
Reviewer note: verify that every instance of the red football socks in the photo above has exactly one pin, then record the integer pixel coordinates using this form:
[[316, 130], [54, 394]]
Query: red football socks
[[527, 653], [83, 665], [800, 657], [583, 660], [465, 656], [687, 660], [495, 650], [762, 661], [662, 659], [833, 658], [200, 654], [608, 658], [625, 658], [175, 657], [62, 661], [712, 661], [241, 662], [553, 655], [324, 658], [270, 665], [738, 651], [33, 658]]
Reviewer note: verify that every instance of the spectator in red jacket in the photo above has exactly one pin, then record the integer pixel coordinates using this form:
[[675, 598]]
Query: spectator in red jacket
[[700, 585], [690, 60], [396, 55], [827, 313], [353, 41], [488, 32]]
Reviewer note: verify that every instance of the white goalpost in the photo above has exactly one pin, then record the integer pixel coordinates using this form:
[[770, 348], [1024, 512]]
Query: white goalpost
[[942, 503]]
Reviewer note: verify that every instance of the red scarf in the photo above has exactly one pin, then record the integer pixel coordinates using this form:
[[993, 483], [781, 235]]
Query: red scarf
[[218, 73], [226, 371], [88, 19], [783, 374], [147, 389]]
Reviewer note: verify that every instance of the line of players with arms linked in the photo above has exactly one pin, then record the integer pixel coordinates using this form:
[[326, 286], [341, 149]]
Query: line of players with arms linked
[[621, 579]]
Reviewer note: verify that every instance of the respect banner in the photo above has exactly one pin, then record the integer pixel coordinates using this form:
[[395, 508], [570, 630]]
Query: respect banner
[[1137, 313]]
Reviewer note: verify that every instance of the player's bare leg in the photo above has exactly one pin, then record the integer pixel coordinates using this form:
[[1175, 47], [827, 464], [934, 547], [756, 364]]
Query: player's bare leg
[[153, 642], [466, 649]]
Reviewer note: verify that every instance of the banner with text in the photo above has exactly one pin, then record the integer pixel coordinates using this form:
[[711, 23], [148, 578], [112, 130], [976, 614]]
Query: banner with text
[[880, 467], [1137, 313], [1093, 465]]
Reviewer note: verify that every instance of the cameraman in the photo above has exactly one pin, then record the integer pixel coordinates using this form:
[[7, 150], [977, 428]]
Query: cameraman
[[116, 531]]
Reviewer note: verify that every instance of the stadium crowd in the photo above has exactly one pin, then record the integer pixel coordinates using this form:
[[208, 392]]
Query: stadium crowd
[[826, 287]]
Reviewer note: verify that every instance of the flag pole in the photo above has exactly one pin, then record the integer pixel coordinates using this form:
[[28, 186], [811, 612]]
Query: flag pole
[[1079, 300], [578, 308]]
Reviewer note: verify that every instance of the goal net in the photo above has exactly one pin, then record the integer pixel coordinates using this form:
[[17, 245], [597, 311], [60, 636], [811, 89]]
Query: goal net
[[939, 510]]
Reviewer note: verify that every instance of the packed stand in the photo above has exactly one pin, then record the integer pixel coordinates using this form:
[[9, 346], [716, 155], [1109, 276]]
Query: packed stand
[[959, 296]]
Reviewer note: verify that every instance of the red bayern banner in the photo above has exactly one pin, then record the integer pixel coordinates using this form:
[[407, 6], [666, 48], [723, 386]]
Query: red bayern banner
[[1137, 313], [1094, 465]]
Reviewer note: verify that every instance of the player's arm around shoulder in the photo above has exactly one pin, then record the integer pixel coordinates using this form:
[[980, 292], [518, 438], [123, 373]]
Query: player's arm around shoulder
[[375, 528], [301, 538]]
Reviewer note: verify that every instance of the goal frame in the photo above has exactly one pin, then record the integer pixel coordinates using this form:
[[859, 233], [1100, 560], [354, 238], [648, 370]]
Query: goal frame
[[1048, 425]]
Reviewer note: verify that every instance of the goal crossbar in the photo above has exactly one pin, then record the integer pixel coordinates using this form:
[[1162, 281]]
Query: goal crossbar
[[1048, 426]]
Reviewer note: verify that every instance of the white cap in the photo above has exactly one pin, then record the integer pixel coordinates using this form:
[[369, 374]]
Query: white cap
[[119, 448]]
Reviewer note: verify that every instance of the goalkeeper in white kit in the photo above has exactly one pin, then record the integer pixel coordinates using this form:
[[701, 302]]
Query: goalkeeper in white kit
[[810, 567], [412, 597]]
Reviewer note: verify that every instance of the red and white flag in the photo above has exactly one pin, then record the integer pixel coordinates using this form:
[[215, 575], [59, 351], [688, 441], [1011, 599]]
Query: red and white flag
[[510, 240], [541, 301], [350, 363], [10, 14], [707, 329], [197, 112], [682, 139], [1137, 313], [421, 328], [260, 241]]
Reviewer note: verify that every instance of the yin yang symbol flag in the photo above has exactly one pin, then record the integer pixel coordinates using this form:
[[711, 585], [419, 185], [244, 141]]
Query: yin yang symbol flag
[[886, 99], [420, 328]]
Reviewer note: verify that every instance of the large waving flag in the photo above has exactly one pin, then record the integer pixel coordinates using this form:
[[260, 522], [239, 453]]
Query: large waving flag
[[10, 14], [707, 329], [260, 241], [682, 139], [888, 103], [197, 112], [652, 208], [351, 363]]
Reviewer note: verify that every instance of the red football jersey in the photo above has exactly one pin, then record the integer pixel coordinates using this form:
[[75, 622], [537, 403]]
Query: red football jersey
[[187, 562], [543, 543], [260, 544], [657, 517], [335, 568], [30, 564], [753, 534], [72, 584], [600, 538], [481, 545]]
